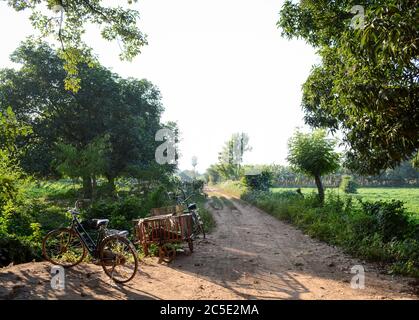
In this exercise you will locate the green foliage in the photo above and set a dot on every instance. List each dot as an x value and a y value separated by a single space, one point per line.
109 119
235 188
409 196
261 181
121 212
391 221
378 231
348 185
89 161
213 175
206 216
313 154
366 85
17 250
117 23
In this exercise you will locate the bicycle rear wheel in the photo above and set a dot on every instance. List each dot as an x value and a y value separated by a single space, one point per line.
198 226
118 258
63 247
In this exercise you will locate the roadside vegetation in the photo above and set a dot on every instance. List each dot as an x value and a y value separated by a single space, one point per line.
97 143
376 224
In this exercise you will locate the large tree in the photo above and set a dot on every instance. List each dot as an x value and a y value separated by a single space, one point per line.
367 83
127 111
313 154
66 21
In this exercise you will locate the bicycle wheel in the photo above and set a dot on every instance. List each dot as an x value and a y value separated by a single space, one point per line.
198 226
118 258
63 247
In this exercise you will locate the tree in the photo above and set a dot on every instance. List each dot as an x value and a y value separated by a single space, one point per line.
231 156
87 163
313 154
66 21
213 175
367 83
348 185
128 111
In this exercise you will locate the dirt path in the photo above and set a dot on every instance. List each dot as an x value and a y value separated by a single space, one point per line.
250 255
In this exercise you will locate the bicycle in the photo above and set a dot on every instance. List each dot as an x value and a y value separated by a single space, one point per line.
69 246
197 223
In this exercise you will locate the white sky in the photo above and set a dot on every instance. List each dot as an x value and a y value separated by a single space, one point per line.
221 65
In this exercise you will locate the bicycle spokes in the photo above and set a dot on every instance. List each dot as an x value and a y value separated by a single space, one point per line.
63 247
119 259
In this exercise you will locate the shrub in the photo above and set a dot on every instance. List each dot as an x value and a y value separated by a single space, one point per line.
18 249
348 185
391 219
261 181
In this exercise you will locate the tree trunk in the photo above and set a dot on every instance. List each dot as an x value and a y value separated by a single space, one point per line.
87 187
319 187
94 185
111 185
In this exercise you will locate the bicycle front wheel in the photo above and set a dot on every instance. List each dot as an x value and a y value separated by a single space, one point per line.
63 247
118 258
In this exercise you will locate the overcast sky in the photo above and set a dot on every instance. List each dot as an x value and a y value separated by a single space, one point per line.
221 66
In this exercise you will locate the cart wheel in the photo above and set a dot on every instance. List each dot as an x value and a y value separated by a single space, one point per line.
190 244
166 253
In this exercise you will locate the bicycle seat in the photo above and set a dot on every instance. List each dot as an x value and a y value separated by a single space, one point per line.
192 206
97 223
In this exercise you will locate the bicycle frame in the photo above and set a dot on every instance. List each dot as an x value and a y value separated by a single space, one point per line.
85 238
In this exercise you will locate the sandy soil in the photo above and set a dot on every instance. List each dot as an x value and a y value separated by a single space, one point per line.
250 255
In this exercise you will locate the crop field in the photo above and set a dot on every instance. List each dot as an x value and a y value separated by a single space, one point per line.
410 196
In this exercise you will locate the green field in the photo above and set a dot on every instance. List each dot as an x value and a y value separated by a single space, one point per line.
410 196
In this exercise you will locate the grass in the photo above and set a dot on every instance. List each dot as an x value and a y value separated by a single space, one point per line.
410 196
232 188
52 190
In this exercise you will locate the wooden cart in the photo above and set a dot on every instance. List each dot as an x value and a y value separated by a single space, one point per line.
164 231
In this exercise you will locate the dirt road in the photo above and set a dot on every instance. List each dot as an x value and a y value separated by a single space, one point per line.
250 255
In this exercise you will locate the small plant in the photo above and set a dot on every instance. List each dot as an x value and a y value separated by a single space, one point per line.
348 185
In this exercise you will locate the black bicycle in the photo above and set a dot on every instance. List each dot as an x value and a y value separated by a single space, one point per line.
68 247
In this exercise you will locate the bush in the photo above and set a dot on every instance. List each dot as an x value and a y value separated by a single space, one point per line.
348 185
262 181
18 249
121 212
390 219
